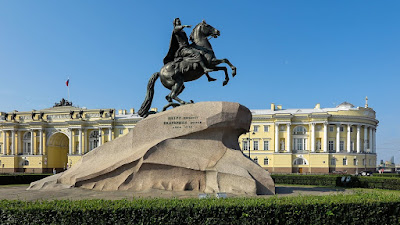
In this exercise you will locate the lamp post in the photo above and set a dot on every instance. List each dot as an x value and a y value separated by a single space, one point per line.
250 132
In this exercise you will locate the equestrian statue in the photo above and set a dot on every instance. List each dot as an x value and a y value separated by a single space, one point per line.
186 62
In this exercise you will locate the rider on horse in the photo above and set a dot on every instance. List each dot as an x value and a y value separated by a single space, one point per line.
180 49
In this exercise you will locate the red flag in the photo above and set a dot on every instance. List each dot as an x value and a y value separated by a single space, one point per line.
67 82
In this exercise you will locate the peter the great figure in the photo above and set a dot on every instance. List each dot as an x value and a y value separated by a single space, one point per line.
186 62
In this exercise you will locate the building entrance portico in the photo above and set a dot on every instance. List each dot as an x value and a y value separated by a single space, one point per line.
58 145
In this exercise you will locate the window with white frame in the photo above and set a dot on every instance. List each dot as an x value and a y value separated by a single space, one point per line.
255 145
121 131
94 139
266 145
341 128
333 161
255 129
355 162
299 161
344 161
245 145
299 130
27 146
300 144
256 160
341 145
331 145
266 128
331 128
266 161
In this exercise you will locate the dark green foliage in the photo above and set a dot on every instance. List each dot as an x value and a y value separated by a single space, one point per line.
390 183
20 178
387 175
360 208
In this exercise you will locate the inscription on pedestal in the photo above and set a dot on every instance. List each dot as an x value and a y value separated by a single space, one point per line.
179 122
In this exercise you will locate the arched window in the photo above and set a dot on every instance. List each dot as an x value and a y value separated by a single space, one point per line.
266 161
300 161
94 139
27 145
299 130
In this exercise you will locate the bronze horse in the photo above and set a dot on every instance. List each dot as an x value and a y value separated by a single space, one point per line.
175 73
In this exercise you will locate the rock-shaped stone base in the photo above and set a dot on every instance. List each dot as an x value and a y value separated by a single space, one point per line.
192 147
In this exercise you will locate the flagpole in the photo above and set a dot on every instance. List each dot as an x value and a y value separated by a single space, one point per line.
68 88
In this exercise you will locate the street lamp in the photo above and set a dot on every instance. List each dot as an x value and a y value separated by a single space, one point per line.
250 132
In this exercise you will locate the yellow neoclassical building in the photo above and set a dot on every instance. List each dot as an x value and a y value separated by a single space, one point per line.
319 140
316 140
38 141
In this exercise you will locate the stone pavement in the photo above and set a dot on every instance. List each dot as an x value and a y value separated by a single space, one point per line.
20 193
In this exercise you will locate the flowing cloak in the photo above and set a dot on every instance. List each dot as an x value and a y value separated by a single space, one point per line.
173 47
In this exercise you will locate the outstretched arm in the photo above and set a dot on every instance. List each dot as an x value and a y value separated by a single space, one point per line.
180 27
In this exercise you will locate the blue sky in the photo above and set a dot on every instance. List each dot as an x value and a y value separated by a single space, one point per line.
294 53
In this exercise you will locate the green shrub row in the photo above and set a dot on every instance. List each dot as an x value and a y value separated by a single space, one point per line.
387 175
390 183
20 178
361 208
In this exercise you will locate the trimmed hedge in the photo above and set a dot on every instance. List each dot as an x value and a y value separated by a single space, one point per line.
390 183
387 175
21 178
361 208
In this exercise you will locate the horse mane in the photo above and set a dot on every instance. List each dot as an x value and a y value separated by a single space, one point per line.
192 35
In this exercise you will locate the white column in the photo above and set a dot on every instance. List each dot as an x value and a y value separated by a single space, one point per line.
288 138
276 137
32 143
4 142
13 142
348 137
370 139
100 137
337 137
109 134
41 142
358 138
325 137
85 148
70 141
80 141
374 140
312 137
365 137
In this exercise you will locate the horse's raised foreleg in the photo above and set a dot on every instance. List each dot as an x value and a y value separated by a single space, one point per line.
217 68
219 61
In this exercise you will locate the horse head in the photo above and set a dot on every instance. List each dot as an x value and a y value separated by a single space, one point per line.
202 31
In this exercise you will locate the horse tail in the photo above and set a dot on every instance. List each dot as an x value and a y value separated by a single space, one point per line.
144 109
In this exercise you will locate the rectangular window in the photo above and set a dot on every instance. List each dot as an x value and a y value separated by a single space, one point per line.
341 145
351 129
300 144
255 145
245 145
266 128
121 131
344 162
333 161
363 162
282 128
256 128
331 145
266 161
341 128
351 145
256 160
266 145
331 128
355 162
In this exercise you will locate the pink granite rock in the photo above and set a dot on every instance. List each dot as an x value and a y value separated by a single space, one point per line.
192 147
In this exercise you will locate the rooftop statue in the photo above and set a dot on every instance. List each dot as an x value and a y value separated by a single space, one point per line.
186 62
